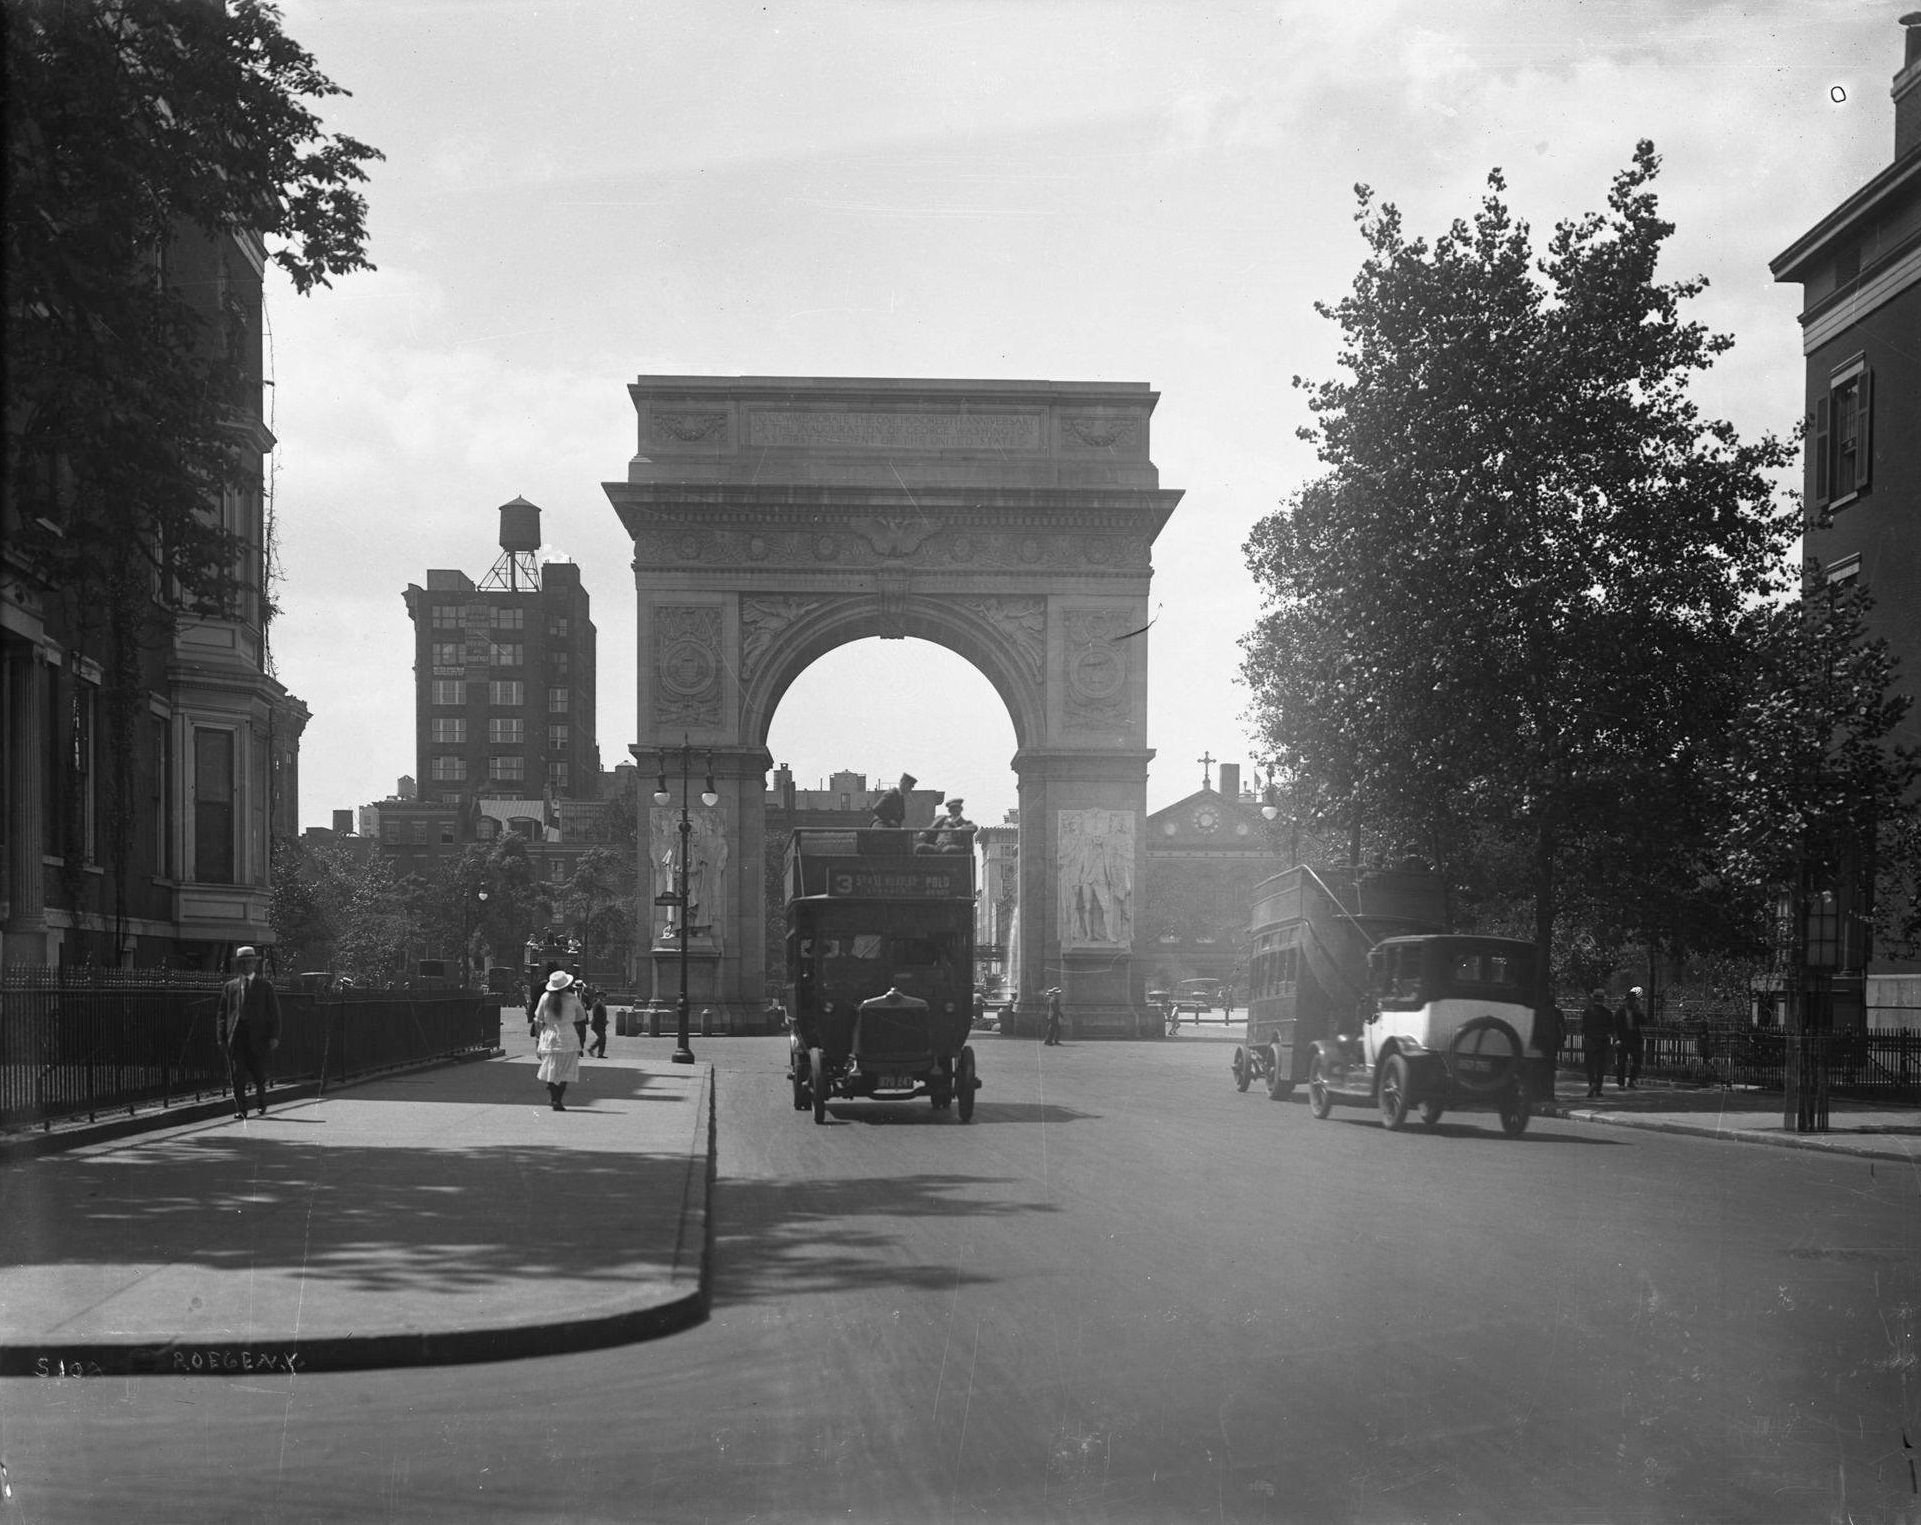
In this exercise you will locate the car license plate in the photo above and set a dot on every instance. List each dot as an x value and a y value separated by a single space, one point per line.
896 1083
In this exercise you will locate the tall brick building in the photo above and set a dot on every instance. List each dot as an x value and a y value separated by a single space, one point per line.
504 679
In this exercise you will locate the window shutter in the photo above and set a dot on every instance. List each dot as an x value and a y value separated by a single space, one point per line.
1863 414
1818 453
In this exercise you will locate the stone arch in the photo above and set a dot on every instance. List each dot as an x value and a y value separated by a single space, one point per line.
1012 523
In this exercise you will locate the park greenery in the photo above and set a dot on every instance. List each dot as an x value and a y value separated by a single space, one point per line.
1536 619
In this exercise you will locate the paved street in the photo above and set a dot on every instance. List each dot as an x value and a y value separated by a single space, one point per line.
1128 1292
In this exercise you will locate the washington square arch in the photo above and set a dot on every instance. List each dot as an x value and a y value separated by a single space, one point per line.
774 519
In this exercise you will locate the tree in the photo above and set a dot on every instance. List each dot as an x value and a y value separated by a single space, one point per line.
342 907
140 133
596 903
1815 793
498 926
1507 620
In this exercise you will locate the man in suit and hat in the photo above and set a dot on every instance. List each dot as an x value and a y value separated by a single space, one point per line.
249 1027
1054 1014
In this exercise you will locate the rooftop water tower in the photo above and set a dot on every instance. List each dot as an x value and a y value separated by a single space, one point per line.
517 570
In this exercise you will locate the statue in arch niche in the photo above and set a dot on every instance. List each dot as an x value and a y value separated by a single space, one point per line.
706 866
1096 861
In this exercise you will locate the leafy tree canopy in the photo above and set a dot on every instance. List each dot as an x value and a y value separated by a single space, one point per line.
131 126
1513 602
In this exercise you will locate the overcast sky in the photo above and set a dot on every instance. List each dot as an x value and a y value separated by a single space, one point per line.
575 194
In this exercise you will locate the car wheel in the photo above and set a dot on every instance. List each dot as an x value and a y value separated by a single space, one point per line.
817 1073
1279 1087
965 1085
1395 1099
1243 1071
1318 1101
1432 1112
1515 1112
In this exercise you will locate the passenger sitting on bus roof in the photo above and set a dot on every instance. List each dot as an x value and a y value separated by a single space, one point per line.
950 833
891 808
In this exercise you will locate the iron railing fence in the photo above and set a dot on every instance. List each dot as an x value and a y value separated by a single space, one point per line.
89 1042
1880 1064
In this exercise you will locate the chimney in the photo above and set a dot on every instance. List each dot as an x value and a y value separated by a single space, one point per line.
1230 781
1907 91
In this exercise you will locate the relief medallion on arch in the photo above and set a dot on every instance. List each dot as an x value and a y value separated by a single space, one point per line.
687 664
1097 666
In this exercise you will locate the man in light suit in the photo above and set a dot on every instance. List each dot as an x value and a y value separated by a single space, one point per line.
249 1027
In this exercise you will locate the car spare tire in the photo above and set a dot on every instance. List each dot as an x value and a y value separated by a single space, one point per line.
1484 1056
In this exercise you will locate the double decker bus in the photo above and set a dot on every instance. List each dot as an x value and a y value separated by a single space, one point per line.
880 969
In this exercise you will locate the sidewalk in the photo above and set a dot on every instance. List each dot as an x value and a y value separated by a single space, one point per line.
1747 1116
440 1216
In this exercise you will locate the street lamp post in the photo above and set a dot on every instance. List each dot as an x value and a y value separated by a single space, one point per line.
709 796
467 920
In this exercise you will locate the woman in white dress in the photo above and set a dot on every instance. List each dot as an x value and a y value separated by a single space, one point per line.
559 1044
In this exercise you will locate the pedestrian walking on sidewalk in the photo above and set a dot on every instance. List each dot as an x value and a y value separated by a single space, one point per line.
1053 1035
559 1043
1628 1040
1597 1027
599 1024
249 1027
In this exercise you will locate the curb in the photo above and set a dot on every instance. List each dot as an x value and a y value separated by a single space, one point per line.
1827 1143
291 1355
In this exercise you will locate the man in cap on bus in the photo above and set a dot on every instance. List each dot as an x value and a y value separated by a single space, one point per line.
891 808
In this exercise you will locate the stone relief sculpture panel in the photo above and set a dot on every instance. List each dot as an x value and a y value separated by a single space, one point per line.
1096 660
1095 859
765 620
707 851
1022 622
687 665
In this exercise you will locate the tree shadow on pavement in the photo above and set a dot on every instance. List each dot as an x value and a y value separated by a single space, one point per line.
508 1082
368 1218
908 1114
777 1239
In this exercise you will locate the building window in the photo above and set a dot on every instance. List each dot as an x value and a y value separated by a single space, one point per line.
509 730
80 758
390 831
449 769
1845 572
449 617
418 831
509 619
213 806
507 770
450 730
446 833
1843 444
449 653
449 691
557 626
486 829
511 694
563 666
557 701
558 776
556 738
505 653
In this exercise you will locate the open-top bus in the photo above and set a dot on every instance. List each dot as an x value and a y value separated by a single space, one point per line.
880 969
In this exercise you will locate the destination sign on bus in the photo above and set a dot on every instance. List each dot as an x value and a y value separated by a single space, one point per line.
932 881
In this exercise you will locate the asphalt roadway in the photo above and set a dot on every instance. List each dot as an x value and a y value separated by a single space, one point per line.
425 1219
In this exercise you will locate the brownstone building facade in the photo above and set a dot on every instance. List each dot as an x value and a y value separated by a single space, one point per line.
1859 268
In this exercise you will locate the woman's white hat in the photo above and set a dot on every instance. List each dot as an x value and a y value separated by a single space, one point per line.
560 979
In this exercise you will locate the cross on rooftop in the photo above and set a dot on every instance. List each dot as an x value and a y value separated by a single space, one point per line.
1207 778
